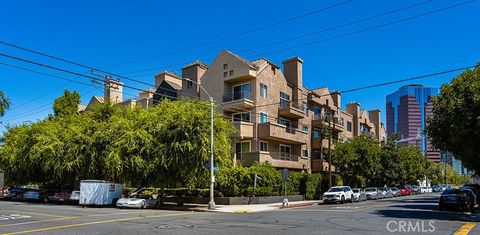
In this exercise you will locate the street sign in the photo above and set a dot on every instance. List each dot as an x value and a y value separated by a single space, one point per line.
285 174
215 168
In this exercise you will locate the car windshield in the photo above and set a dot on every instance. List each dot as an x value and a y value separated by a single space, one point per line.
370 190
454 192
339 189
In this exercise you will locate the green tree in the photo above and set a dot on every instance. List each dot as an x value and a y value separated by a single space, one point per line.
4 103
357 160
67 104
455 125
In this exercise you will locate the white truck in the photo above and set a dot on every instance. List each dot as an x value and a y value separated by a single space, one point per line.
99 193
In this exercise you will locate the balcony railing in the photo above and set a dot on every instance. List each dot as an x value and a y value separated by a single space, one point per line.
237 96
284 156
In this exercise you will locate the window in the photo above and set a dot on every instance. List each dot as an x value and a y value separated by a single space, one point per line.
317 113
225 74
241 148
305 152
231 72
305 108
317 155
264 146
263 90
273 70
342 121
263 117
285 152
316 133
284 100
189 84
326 102
241 91
349 126
241 117
287 124
305 128
225 66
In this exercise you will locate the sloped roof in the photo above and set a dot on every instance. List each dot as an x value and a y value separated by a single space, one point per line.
81 107
252 65
174 85
197 62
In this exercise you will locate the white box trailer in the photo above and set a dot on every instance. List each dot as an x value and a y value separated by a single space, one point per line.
99 192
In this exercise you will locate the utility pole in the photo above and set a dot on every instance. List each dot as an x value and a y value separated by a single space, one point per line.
211 204
330 150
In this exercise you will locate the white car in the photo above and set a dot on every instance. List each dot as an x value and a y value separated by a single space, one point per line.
139 203
425 189
75 196
338 194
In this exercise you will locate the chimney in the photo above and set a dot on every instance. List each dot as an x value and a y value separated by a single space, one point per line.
146 94
113 91
167 76
353 109
194 72
337 98
375 118
293 70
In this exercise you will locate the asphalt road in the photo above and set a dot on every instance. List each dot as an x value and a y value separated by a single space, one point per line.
412 215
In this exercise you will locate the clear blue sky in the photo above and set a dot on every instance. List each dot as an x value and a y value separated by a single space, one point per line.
101 33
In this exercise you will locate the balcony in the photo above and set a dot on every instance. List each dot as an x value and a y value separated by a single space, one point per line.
291 110
279 132
318 144
240 75
278 160
244 130
238 102
318 121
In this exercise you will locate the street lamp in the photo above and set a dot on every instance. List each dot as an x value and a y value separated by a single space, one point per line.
211 203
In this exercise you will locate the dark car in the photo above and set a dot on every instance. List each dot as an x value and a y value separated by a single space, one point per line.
476 189
60 197
461 199
16 194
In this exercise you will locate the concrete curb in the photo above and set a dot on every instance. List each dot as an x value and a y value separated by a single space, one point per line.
305 204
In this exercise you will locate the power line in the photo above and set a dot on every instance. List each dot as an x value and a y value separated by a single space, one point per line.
234 35
366 29
329 29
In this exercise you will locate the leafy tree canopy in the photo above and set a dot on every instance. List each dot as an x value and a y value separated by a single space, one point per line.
4 103
67 104
455 125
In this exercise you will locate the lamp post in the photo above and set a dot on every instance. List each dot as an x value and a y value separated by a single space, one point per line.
211 203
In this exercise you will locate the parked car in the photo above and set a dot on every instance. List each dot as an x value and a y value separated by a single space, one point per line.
372 193
382 193
476 189
60 197
139 202
338 194
456 199
395 192
405 191
416 190
359 195
75 197
388 192
37 195
16 194
3 192
475 197
436 189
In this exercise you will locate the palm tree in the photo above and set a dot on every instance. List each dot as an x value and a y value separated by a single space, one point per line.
4 103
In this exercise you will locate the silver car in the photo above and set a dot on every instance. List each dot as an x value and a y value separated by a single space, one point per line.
359 195
372 193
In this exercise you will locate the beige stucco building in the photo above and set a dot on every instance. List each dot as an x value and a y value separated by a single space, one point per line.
278 120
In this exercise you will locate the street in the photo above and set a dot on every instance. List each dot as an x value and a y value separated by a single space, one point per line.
411 214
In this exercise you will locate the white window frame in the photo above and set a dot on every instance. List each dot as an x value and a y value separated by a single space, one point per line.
308 151
280 150
260 145
265 95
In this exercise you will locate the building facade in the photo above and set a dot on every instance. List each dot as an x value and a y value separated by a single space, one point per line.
407 111
278 120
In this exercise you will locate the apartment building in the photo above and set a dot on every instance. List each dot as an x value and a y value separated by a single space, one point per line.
278 120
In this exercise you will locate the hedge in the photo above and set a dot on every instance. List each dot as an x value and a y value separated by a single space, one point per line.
238 181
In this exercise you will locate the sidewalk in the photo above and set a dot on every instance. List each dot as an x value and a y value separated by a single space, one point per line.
241 208
263 207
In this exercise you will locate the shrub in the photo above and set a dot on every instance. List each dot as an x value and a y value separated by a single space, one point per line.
313 186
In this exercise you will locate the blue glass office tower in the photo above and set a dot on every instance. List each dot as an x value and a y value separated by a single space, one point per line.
407 112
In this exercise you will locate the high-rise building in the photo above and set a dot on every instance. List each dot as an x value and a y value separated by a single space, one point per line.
407 111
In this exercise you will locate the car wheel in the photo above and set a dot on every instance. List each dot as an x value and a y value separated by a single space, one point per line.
351 199
143 205
45 200
342 200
